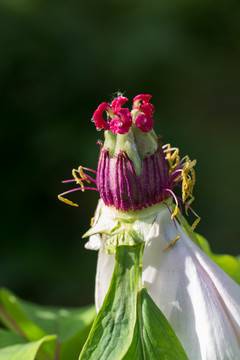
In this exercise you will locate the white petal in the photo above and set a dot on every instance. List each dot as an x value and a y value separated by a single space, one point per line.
105 268
199 300
104 220
94 243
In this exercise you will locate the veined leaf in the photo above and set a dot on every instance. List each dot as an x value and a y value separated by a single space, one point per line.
20 350
14 318
34 322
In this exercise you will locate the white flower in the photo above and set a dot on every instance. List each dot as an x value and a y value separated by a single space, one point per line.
200 301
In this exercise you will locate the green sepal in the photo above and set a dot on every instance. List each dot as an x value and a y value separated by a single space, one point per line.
135 143
121 237
120 228
129 325
153 338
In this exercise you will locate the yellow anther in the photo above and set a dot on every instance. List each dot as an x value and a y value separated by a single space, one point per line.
175 212
188 203
92 221
69 202
184 185
172 158
83 176
172 243
168 155
192 171
193 227
186 175
78 180
188 179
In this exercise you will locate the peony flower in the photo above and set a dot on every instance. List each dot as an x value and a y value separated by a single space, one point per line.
137 179
200 301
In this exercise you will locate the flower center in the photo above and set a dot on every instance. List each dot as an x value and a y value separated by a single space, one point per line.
134 170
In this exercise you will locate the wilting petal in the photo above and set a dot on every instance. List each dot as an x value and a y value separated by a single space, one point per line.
105 268
94 243
201 302
104 222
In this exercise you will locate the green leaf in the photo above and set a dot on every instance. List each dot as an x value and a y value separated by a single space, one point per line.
33 322
14 318
129 325
116 319
153 338
8 338
20 351
230 264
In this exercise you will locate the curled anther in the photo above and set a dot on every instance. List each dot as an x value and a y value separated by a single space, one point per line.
172 243
66 201
182 174
78 180
194 225
175 212
81 173
188 203
173 158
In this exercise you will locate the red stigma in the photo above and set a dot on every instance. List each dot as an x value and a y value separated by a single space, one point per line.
119 120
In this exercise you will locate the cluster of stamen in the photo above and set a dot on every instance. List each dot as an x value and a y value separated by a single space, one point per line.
182 174
116 180
79 177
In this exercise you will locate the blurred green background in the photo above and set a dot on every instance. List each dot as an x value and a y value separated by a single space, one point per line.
58 61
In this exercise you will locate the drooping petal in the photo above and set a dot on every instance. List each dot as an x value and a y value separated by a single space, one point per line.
201 302
104 273
104 222
94 243
197 297
95 240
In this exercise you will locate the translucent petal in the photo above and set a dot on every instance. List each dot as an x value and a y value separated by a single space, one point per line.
94 242
105 268
104 220
199 300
